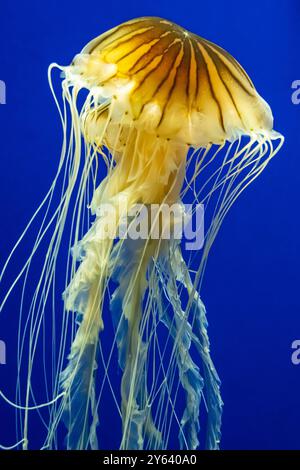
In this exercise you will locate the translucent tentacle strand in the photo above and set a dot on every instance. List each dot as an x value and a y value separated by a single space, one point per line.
211 380
130 260
172 269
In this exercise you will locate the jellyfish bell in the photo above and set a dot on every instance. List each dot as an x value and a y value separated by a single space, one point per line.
167 112
172 83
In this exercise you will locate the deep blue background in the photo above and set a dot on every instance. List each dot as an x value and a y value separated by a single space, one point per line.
252 282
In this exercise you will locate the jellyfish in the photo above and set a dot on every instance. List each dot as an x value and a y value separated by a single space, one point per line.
152 115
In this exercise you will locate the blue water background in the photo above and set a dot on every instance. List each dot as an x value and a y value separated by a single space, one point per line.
252 289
